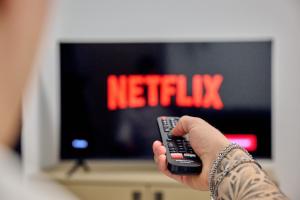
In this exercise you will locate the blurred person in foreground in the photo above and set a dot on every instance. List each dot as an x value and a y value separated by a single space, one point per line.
20 29
228 171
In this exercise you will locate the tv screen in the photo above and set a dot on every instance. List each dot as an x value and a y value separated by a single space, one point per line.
112 93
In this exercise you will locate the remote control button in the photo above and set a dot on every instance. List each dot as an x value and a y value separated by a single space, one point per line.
171 144
189 155
176 155
179 144
178 139
182 149
185 161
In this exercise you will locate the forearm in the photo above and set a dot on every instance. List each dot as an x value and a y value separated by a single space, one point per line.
246 181
20 27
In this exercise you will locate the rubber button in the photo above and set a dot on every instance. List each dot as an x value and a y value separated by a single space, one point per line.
176 155
189 155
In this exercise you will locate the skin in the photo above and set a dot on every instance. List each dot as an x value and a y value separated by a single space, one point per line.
247 181
21 23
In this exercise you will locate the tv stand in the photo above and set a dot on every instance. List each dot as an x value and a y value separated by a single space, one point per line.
126 181
79 163
134 180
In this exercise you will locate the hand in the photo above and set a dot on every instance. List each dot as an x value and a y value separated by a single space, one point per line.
206 141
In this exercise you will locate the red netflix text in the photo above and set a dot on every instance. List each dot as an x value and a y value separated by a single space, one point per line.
136 91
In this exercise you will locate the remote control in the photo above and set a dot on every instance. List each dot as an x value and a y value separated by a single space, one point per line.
181 158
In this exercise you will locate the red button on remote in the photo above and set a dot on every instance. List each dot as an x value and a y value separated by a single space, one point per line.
176 155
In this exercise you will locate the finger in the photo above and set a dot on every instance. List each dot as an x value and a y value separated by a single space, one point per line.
160 150
161 163
157 148
184 125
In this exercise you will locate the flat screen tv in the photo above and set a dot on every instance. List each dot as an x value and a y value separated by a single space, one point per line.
111 94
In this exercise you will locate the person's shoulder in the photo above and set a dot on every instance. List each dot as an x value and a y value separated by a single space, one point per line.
14 186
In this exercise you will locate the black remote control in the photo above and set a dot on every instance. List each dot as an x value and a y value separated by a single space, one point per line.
181 158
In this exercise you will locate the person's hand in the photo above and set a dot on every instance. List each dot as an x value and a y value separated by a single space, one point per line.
206 141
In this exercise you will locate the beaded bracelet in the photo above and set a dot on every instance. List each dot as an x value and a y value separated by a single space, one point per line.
217 163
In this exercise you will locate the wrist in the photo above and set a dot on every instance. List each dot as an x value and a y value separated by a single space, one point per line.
227 160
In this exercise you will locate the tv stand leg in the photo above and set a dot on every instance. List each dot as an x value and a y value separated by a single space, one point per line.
78 164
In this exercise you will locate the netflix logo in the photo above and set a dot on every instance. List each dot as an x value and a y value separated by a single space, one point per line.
137 91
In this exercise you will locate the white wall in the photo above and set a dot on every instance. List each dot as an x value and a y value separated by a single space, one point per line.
171 20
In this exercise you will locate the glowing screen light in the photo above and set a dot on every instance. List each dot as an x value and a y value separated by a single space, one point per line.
80 144
248 141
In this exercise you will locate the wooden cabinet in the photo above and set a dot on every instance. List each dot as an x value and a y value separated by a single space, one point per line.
109 182
96 192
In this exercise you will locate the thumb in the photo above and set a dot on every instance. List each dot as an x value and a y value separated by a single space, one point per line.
184 125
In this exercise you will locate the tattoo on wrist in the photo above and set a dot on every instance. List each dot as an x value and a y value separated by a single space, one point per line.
245 181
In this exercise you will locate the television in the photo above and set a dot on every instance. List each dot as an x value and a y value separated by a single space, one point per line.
112 93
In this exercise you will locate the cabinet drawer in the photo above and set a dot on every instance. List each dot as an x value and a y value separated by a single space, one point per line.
169 193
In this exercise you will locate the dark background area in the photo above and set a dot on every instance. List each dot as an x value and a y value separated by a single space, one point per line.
129 133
